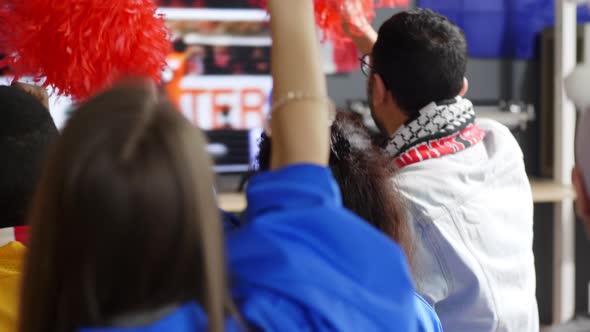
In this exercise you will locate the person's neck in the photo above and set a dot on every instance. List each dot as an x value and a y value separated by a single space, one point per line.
394 122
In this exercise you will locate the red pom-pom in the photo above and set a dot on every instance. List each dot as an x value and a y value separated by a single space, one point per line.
392 3
80 47
328 14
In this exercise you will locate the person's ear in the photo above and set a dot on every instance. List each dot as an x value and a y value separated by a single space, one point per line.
379 92
465 87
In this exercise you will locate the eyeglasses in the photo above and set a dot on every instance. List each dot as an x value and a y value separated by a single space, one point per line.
366 67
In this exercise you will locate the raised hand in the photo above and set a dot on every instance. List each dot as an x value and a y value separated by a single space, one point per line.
357 27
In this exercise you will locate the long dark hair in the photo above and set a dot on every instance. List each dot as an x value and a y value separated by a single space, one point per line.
365 177
124 220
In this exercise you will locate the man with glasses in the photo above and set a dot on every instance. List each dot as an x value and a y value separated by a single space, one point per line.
464 179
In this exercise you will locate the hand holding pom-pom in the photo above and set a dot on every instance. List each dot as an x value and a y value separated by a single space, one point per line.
357 15
340 19
354 22
80 47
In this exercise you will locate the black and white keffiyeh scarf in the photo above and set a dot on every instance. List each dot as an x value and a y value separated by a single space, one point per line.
440 129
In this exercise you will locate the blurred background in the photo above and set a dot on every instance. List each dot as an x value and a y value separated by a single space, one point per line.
218 76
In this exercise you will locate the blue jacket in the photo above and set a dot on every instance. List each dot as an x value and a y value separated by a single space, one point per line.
230 222
301 262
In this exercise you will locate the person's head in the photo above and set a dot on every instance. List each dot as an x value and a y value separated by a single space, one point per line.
124 220
419 57
364 176
26 132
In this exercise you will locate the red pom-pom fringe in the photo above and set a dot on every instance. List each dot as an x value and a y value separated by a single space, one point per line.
80 47
329 18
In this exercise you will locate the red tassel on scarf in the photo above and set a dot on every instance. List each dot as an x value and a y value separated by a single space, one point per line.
83 46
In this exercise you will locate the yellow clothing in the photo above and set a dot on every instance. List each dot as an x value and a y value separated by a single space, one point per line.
11 263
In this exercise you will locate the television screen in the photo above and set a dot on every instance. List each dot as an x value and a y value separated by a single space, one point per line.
218 74
219 71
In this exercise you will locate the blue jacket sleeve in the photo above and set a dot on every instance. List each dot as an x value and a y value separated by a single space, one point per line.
230 222
291 188
302 262
428 321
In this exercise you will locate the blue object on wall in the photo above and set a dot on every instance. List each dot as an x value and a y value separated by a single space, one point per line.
501 28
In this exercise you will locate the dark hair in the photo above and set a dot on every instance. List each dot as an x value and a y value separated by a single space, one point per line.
421 57
124 220
26 132
365 177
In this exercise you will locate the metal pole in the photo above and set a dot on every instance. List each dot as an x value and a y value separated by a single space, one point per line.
565 119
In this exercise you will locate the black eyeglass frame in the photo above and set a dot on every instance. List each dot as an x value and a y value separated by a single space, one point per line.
366 67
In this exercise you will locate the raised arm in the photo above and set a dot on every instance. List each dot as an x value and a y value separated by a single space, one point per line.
300 104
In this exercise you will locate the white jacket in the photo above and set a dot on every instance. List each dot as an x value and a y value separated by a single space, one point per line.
473 217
